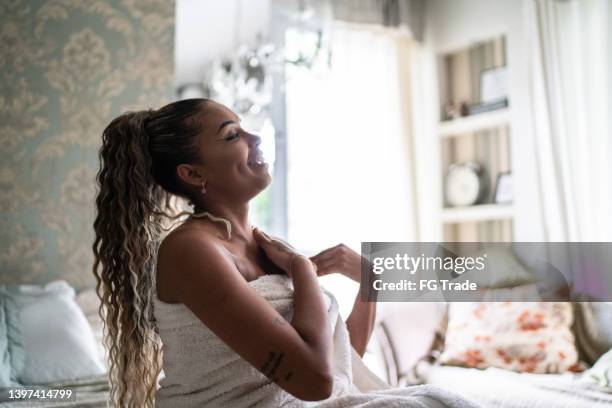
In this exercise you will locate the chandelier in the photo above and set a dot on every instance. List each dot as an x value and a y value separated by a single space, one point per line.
243 80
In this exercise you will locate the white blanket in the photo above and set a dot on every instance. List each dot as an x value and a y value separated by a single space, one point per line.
205 372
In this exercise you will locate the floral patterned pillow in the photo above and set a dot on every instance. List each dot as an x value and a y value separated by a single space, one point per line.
530 337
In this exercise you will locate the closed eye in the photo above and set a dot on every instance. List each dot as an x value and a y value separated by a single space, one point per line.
233 136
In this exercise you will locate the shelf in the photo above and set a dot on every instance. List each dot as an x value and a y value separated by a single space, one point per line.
480 121
482 212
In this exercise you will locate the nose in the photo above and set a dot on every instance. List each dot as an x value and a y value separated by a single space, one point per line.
254 140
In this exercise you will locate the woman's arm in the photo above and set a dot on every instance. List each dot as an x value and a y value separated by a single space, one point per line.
360 323
310 318
296 355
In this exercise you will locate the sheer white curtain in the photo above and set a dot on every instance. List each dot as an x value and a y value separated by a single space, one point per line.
350 176
571 78
349 169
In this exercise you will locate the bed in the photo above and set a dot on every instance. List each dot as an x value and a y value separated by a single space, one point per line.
408 341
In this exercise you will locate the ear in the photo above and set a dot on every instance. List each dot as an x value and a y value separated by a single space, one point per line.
190 174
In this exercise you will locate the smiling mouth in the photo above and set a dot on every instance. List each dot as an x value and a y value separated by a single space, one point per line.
256 159
257 162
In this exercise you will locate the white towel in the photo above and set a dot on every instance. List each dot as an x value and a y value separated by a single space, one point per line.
200 370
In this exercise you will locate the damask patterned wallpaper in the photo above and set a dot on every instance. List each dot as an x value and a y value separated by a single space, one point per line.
67 68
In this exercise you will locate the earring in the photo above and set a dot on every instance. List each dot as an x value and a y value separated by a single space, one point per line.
203 187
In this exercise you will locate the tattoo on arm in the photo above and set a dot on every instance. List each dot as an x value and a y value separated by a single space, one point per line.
270 367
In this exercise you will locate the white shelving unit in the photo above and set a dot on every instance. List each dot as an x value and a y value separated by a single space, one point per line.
482 212
469 124
482 137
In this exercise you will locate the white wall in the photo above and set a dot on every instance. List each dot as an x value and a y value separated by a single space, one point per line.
206 29
454 24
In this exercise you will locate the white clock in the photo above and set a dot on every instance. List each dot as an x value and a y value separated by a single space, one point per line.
465 184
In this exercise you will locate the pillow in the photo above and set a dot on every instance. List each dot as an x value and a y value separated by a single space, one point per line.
530 337
89 302
507 270
57 339
601 372
593 329
12 356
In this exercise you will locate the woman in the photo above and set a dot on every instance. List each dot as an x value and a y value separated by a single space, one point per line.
205 288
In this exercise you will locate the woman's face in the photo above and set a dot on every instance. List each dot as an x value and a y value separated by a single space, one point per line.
231 162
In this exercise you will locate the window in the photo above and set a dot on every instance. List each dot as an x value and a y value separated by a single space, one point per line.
348 173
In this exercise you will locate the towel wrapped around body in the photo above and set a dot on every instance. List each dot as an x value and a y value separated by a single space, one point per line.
200 370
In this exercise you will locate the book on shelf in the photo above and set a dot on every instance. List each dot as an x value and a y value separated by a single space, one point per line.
487 107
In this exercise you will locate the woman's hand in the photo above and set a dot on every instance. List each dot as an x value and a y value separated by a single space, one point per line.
279 252
339 259
360 323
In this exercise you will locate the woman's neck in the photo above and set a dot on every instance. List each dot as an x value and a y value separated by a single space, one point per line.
238 216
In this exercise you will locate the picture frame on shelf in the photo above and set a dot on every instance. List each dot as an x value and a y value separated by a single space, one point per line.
493 85
504 191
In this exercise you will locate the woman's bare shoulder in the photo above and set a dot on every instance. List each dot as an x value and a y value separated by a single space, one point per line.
177 254
178 237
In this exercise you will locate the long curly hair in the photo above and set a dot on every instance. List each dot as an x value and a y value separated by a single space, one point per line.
139 192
